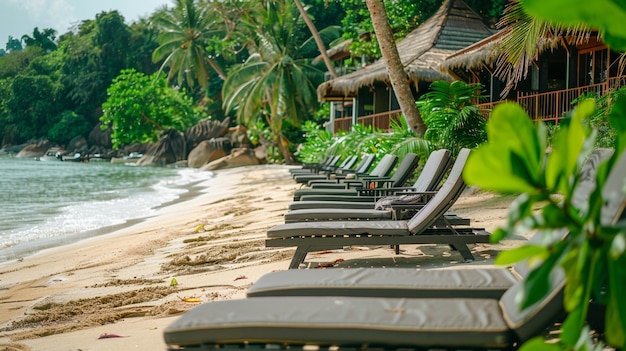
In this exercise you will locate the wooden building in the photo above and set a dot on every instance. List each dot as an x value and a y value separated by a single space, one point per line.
366 97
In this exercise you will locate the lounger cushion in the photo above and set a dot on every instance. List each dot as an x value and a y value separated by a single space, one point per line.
344 321
386 282
345 214
301 205
388 228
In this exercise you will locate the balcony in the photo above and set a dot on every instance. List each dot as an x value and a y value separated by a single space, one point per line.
549 107
379 121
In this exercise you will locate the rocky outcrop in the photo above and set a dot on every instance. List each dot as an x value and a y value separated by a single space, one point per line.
206 129
78 145
237 158
36 149
171 148
207 151
99 137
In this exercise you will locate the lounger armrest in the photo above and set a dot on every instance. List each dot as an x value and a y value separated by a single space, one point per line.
382 191
328 186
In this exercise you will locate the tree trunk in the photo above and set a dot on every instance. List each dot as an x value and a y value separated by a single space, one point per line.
397 75
317 38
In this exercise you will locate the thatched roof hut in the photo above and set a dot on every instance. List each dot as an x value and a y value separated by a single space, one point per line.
453 27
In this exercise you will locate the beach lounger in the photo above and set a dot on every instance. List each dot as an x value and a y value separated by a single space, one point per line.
427 283
396 204
335 322
436 166
346 164
420 229
365 184
328 163
361 168
364 323
356 180
404 170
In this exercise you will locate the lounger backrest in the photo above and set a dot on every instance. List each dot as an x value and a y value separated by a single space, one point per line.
434 169
384 167
534 319
443 199
613 192
405 169
365 164
349 162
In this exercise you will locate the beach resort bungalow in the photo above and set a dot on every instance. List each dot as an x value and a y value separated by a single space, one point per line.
565 68
366 97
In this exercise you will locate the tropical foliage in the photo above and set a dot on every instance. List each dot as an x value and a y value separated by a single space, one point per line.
186 31
453 119
140 108
277 83
449 110
592 254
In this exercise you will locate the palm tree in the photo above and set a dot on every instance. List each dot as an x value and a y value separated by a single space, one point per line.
397 75
43 39
277 82
187 28
318 39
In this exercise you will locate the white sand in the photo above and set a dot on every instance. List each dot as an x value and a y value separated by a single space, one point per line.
223 226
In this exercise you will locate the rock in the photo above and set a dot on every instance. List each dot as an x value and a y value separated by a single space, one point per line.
206 129
78 145
205 152
238 157
99 137
171 148
37 149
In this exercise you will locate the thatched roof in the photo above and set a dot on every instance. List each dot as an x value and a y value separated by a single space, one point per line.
474 56
454 26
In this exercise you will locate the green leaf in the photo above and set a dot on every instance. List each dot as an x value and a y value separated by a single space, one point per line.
616 308
571 328
617 113
520 253
487 168
539 282
498 235
539 343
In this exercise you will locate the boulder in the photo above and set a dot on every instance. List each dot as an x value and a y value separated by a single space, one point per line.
205 152
36 149
78 145
206 129
99 137
170 148
238 157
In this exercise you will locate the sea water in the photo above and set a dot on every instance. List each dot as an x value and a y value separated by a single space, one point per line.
51 203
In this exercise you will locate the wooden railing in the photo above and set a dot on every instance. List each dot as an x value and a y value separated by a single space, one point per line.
549 107
380 121
552 106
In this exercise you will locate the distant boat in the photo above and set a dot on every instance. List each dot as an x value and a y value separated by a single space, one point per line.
133 157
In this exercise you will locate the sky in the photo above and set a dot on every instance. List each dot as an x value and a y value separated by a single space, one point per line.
19 17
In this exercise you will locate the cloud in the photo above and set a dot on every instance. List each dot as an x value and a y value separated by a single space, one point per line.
57 14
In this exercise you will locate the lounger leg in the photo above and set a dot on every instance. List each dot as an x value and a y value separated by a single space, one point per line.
298 257
464 251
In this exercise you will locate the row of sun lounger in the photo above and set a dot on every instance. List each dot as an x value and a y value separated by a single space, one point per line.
383 308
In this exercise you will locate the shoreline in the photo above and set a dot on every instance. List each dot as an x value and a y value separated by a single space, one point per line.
210 241
27 249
